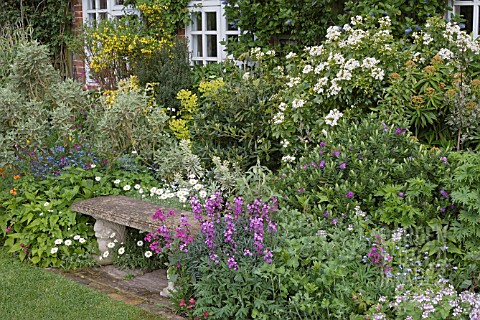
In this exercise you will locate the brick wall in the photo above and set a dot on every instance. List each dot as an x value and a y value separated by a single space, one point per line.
78 63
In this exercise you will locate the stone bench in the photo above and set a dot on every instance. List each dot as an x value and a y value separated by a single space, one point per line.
114 213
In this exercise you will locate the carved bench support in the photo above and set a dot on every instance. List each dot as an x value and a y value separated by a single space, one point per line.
106 232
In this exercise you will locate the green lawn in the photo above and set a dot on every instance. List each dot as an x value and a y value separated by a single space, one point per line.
30 293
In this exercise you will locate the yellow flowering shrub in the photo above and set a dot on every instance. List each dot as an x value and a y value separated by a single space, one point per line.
114 45
188 101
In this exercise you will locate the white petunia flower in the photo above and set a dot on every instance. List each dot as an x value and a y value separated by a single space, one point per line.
68 242
92 166
58 241
139 243
76 237
46 204
202 194
121 250
117 181
198 186
98 178
148 254
111 245
54 250
82 240
193 181
137 187
126 187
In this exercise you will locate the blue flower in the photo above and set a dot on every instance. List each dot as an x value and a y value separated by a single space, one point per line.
408 30
461 25
288 22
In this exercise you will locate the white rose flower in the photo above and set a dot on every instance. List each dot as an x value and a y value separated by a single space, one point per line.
68 242
58 241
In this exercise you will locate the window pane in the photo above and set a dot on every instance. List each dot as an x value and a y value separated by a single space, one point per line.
92 19
231 26
197 21
91 5
211 21
197 45
119 2
211 45
103 4
103 15
467 13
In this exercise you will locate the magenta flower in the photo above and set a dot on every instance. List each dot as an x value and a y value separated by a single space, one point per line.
343 165
350 194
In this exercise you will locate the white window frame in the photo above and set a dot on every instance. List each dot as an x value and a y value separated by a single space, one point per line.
222 32
476 13
112 11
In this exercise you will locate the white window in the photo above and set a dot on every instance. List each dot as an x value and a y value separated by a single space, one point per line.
470 11
96 10
207 29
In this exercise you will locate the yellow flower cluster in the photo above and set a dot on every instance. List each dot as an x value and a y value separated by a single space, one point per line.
125 85
188 100
179 128
209 88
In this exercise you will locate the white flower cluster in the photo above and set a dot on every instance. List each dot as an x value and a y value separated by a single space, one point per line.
460 38
292 81
278 118
446 54
423 37
385 22
371 64
357 20
288 158
285 143
333 33
256 53
297 103
332 118
334 89
291 55
307 69
397 235
314 51
320 85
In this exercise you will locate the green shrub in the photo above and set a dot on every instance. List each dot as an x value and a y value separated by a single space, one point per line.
168 70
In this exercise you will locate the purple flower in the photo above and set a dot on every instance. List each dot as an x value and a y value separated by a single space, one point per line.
343 165
399 131
321 164
335 221
300 190
444 160
443 209
336 153
232 264
350 194
325 214
444 193
267 256
322 144
401 194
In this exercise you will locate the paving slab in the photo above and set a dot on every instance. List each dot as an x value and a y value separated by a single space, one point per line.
134 287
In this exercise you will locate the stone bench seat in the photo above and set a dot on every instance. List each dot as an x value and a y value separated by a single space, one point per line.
114 213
